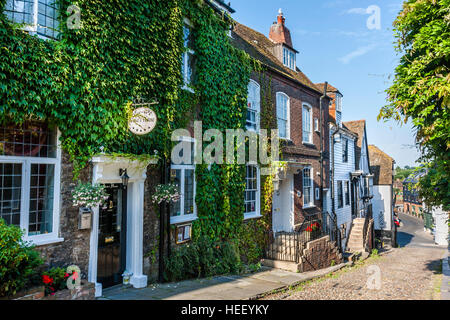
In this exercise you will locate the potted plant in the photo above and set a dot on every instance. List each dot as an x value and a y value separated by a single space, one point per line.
89 195
166 193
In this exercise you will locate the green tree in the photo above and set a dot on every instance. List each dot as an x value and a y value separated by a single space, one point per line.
421 87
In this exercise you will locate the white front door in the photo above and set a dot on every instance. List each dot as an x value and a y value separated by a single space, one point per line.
283 206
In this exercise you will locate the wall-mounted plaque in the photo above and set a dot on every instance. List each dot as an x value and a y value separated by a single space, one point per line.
143 121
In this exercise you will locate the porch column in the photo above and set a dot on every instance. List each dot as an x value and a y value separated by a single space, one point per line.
93 254
136 191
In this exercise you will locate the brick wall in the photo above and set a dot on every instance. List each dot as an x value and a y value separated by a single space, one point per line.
75 247
151 226
319 254
296 149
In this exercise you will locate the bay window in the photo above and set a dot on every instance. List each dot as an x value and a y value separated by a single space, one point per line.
252 192
38 16
307 123
283 115
308 186
29 180
184 176
254 106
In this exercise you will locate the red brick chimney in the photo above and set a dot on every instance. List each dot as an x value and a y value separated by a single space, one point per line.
278 31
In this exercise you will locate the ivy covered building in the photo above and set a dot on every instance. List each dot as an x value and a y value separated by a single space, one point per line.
70 79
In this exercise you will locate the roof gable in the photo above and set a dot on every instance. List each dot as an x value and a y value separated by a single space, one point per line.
381 166
359 127
261 48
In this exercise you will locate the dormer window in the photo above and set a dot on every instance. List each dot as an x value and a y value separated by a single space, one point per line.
289 58
38 16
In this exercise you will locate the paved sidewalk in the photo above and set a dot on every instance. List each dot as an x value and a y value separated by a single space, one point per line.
218 288
445 287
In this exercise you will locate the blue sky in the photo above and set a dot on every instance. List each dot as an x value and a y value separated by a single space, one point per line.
336 45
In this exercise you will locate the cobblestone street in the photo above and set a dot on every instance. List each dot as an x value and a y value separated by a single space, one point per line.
407 273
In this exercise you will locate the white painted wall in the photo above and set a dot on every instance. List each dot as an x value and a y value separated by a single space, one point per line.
441 233
382 207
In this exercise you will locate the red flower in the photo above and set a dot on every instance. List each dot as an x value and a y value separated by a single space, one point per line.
66 275
46 279
313 227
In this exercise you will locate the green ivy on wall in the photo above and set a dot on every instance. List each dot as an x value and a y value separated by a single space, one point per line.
84 84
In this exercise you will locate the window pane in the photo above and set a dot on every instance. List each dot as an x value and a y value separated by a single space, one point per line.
282 128
20 11
41 199
47 18
188 191
251 189
306 196
31 139
251 120
175 207
191 67
10 192
187 35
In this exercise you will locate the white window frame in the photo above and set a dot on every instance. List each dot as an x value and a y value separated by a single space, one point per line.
257 212
288 114
187 51
289 58
33 28
311 193
183 167
256 103
26 162
309 107
316 125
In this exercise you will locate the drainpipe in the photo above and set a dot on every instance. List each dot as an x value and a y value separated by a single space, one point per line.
321 142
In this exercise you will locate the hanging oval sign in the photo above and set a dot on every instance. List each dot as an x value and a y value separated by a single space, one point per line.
143 121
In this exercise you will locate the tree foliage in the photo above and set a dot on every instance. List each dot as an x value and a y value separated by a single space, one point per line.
421 89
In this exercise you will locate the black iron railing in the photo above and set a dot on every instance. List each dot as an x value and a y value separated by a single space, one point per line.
289 246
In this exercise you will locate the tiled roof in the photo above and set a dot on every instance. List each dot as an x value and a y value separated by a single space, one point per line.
358 128
260 47
330 88
381 166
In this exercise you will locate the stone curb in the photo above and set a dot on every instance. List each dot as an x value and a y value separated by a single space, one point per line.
285 287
